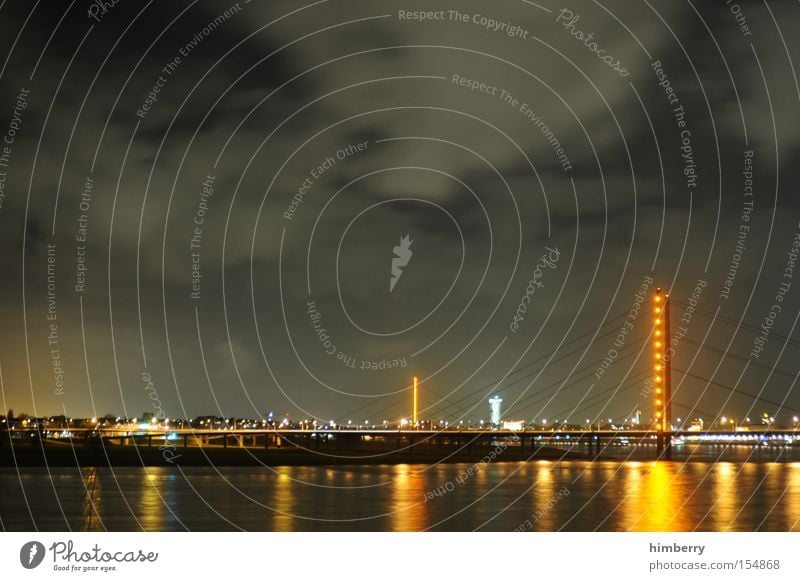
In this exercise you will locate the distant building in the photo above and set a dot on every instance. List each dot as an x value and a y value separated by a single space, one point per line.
514 425
496 410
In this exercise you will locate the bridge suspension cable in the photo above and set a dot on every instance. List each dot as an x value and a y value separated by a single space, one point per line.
494 385
737 391
741 324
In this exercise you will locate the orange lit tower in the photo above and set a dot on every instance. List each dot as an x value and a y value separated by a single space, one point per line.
414 413
662 376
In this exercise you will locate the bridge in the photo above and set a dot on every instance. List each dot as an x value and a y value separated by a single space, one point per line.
519 445
654 382
652 371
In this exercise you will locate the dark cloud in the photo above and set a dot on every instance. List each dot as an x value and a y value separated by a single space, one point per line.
261 107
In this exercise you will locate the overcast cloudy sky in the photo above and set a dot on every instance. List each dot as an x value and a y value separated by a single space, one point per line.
295 144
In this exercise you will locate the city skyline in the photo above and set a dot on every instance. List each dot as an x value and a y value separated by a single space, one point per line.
341 265
227 242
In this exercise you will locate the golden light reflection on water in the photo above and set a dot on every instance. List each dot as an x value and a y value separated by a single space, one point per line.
150 509
408 509
725 498
652 505
632 486
92 504
542 513
284 502
776 485
793 497
637 496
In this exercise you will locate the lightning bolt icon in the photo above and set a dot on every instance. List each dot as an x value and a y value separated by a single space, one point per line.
402 254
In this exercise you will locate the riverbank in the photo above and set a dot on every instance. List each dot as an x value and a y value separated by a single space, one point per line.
81 454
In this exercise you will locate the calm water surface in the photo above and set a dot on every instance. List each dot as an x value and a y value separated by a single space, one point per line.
604 495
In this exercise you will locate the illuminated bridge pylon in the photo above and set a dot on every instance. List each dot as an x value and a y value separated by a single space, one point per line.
414 404
662 352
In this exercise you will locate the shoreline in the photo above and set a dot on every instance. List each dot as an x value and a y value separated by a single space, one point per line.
80 455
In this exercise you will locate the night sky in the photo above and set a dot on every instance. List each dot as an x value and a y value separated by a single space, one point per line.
203 200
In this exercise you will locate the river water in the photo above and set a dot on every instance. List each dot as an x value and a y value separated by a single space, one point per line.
539 495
